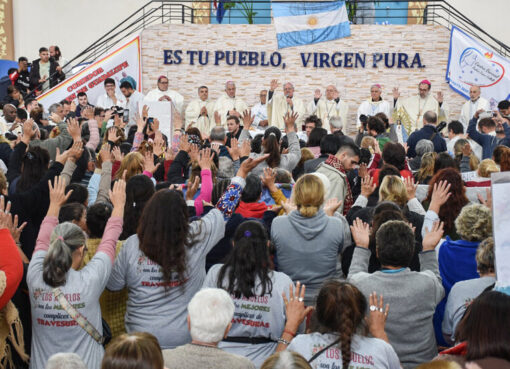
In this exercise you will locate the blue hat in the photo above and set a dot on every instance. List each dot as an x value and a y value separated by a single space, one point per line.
129 80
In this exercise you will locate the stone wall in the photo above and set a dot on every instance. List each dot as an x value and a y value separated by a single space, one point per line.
430 41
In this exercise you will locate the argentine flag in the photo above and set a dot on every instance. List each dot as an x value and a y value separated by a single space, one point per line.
309 22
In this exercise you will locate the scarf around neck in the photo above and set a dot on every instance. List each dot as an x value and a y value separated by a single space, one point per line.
335 163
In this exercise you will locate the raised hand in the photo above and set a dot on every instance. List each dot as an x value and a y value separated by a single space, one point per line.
117 154
184 144
466 150
233 150
433 236
487 203
410 187
148 163
118 198
192 188
318 94
76 151
105 153
295 310
331 206
439 97
112 135
8 221
377 316
217 118
268 179
158 148
396 93
249 164
273 85
440 194
362 170
245 149
193 153
140 122
360 233
367 186
28 131
58 196
290 120
61 158
247 119
74 129
145 112
205 159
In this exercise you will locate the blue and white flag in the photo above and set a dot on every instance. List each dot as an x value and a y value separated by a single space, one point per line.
309 22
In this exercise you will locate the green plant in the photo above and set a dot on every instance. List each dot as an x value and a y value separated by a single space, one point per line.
246 8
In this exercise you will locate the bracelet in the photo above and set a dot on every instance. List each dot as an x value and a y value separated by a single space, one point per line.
285 342
289 332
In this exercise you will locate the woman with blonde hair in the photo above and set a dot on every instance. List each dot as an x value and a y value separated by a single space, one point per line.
426 171
393 189
464 156
286 360
483 177
309 239
135 163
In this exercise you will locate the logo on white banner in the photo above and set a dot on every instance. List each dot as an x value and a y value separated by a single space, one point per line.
471 63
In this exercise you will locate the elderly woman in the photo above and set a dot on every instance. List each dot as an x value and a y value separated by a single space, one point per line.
422 147
60 294
309 240
468 290
210 314
457 259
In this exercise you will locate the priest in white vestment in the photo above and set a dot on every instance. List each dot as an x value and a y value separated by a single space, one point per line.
279 105
410 110
329 107
200 112
374 105
163 93
259 112
475 103
229 104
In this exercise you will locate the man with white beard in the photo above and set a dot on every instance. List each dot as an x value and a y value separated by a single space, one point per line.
330 106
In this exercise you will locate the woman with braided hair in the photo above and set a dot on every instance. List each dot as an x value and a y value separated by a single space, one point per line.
341 338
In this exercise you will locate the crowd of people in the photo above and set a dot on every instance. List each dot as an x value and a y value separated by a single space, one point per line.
248 238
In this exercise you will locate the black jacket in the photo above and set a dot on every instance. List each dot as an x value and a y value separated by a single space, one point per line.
428 132
55 77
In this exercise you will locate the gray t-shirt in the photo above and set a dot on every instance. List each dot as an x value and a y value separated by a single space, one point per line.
53 330
461 295
151 308
258 316
366 352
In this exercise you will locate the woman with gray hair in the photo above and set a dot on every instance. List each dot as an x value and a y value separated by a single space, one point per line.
65 360
64 300
210 313
422 147
462 293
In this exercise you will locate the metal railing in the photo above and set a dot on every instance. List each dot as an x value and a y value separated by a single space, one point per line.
182 12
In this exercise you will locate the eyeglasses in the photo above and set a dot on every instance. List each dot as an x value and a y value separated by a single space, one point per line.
164 83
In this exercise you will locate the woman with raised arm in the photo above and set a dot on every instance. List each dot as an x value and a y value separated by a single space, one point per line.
163 264
341 338
63 298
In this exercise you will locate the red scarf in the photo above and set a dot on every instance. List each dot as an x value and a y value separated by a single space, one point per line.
252 209
335 163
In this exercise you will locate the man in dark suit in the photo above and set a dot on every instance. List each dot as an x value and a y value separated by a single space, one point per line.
428 132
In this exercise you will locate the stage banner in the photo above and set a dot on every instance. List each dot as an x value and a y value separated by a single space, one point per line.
470 63
122 62
501 228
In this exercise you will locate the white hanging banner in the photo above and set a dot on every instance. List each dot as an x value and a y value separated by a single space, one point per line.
120 63
470 63
501 228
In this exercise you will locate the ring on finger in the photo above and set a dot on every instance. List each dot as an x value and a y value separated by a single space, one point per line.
381 310
373 308
300 299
